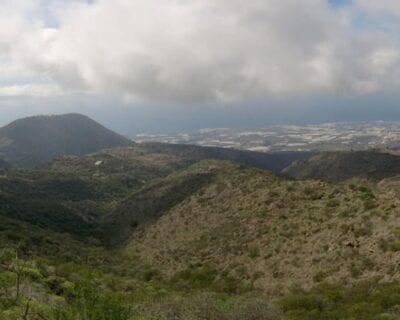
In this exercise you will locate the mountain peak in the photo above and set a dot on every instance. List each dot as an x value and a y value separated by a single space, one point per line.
37 139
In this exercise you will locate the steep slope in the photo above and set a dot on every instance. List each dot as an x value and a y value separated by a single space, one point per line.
214 223
72 201
252 228
74 193
211 226
339 166
152 202
35 140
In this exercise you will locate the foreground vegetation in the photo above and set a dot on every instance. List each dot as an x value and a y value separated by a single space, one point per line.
126 234
44 288
47 275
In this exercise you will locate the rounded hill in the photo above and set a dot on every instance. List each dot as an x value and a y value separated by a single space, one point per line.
35 140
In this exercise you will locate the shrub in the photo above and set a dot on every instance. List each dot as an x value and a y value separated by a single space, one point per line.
366 300
254 310
355 271
92 303
333 203
254 252
320 276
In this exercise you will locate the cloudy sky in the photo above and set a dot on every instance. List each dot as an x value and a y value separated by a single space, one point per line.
165 65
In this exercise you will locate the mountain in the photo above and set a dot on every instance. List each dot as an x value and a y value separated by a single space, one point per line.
75 193
339 166
32 141
257 229
214 223
128 185
158 232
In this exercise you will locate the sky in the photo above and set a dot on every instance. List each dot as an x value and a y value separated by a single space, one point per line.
172 65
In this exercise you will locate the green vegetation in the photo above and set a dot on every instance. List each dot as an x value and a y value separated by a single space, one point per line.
33 287
155 232
367 300
344 165
35 140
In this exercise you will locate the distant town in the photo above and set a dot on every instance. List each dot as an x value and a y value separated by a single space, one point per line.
316 137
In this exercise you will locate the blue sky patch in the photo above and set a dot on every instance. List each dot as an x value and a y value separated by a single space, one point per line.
339 3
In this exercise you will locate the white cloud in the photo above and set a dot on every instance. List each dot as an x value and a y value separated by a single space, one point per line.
197 51
33 90
391 7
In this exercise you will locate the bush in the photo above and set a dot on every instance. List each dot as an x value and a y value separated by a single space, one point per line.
90 303
333 203
207 306
366 300
254 310
320 276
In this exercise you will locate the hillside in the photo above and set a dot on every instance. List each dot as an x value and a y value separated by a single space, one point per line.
252 228
170 212
35 140
155 232
339 166
153 201
74 193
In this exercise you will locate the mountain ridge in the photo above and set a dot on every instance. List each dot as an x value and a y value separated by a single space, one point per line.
372 165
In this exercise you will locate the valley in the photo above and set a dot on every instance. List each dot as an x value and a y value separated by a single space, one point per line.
165 231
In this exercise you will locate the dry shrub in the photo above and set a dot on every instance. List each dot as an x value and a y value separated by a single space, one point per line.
207 307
